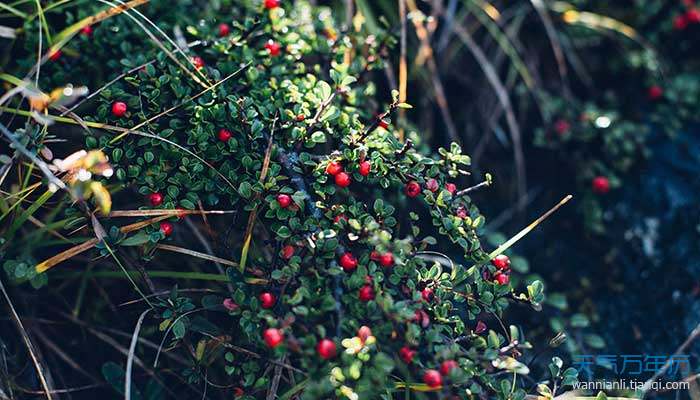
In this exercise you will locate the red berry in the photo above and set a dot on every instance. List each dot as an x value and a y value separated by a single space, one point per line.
386 260
432 378
365 167
447 366
198 62
273 337
655 92
451 187
375 256
273 48
300 117
326 349
383 124
86 31
342 180
119 109
287 251
432 185
561 127
412 189
680 22
238 392
501 261
155 199
501 278
230 305
406 354
427 294
55 55
270 4
340 217
348 262
693 16
462 212
284 200
224 135
334 168
363 333
421 318
600 185
480 327
366 293
267 300
166 228
224 30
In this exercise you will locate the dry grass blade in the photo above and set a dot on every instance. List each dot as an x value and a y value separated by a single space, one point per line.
403 65
553 38
427 53
161 212
27 342
504 99
130 357
197 254
254 212
505 246
75 250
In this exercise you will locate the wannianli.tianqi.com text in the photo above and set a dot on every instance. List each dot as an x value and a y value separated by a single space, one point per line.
630 384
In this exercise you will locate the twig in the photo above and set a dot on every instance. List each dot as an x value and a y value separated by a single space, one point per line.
130 357
688 341
28 343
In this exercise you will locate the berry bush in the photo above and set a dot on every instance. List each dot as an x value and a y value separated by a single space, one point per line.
320 249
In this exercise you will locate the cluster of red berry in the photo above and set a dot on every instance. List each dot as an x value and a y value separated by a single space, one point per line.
690 16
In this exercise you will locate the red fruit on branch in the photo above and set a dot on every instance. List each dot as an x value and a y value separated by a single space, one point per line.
284 200
447 366
166 228
561 127
680 22
273 48
119 109
363 333
342 179
267 300
155 199
273 337
334 168
326 349
224 30
339 217
365 167
86 31
501 278
366 293
198 62
406 354
300 117
386 260
501 261
655 92
427 294
348 262
412 189
383 124
224 135
270 4
229 304
287 252
693 16
432 185
600 185
480 327
451 187
432 378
